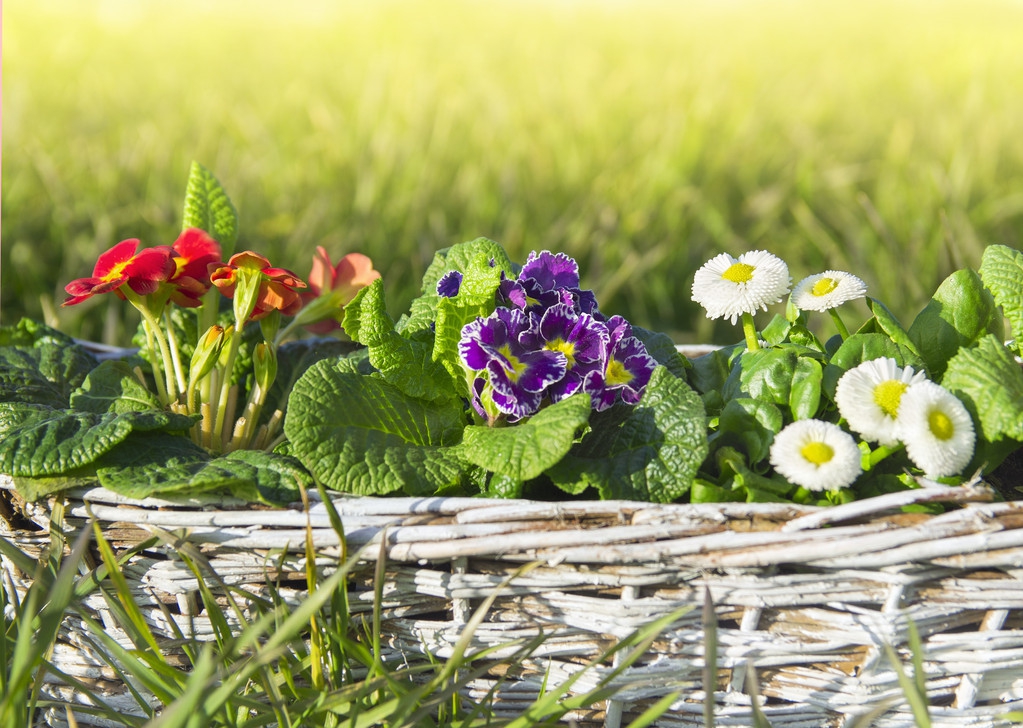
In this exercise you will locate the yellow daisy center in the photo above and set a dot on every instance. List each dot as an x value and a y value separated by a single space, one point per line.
739 273
817 453
515 367
887 396
824 286
565 347
616 373
940 424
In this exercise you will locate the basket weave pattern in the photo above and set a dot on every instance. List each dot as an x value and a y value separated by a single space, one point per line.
809 597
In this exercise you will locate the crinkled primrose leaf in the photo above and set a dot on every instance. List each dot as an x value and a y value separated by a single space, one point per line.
45 372
649 452
53 442
1001 269
363 435
405 362
523 451
113 387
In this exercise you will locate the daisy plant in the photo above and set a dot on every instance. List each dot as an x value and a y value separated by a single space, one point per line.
795 417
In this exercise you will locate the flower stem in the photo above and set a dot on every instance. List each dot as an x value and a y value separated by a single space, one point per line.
749 329
879 454
172 340
839 324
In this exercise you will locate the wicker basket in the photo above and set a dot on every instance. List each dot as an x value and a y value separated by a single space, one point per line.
809 597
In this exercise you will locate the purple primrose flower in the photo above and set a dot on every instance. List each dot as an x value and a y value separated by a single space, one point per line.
449 284
626 369
546 280
580 337
518 375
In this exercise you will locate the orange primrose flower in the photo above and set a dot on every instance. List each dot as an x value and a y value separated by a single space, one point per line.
142 271
278 287
340 282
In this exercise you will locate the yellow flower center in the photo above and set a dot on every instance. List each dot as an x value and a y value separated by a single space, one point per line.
739 273
817 453
824 286
887 396
515 367
116 271
565 347
616 373
940 424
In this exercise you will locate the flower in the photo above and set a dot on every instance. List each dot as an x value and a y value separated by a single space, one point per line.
816 455
518 375
728 287
273 288
335 285
936 428
546 280
625 371
869 398
580 337
449 284
827 290
194 252
142 271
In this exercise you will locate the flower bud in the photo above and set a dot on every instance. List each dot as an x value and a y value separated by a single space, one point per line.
264 362
207 353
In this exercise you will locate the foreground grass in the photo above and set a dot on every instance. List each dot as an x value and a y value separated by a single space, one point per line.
641 138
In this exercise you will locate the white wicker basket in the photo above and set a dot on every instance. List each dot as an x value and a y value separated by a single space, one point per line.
809 597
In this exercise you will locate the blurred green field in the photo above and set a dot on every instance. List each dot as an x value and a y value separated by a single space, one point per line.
884 138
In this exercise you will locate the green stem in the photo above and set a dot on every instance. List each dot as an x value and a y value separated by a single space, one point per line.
172 340
878 454
151 323
225 386
749 329
839 324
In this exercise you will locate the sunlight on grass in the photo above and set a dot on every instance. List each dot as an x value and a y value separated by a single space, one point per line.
640 138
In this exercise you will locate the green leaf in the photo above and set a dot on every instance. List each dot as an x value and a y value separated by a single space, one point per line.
662 348
56 442
648 452
29 333
767 374
462 257
293 359
890 325
270 478
805 393
989 382
363 435
407 363
45 373
958 315
208 208
524 450
755 487
709 374
32 489
1001 269
751 422
113 387
503 486
150 463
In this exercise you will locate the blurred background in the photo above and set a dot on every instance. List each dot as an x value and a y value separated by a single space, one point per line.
642 138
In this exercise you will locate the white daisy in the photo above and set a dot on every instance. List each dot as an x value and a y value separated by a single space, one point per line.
728 287
816 455
937 429
827 290
869 395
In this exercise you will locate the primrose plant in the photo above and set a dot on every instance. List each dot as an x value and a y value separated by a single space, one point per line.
192 274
